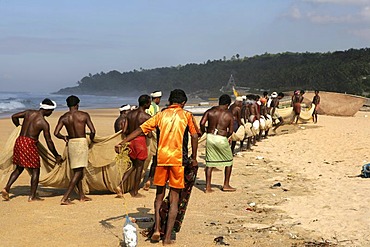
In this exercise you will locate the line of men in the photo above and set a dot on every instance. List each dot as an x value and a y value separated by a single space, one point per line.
25 152
172 127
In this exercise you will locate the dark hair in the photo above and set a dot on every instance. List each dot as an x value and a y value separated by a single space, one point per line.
177 96
302 92
265 93
281 95
72 101
47 101
144 99
224 99
317 91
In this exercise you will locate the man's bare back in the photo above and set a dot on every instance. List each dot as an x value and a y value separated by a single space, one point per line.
33 123
135 118
75 122
220 121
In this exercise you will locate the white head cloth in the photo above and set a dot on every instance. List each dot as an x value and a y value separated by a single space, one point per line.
239 98
156 94
48 107
274 95
125 108
244 97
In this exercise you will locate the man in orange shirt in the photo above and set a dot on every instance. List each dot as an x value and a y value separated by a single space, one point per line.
173 126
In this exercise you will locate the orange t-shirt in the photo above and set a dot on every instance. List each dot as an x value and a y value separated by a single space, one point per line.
173 126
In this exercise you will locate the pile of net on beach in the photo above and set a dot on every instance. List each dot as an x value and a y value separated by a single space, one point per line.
104 172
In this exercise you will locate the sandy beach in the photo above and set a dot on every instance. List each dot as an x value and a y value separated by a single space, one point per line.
318 200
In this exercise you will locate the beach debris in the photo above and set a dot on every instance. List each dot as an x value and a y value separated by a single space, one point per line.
276 185
220 241
129 233
142 219
259 158
252 204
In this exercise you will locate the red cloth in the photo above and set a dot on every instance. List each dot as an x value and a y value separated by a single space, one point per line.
139 150
25 152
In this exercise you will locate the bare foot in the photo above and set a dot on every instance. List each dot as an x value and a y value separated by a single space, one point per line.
156 237
147 185
119 192
34 199
169 242
208 191
228 189
5 195
66 202
85 199
136 194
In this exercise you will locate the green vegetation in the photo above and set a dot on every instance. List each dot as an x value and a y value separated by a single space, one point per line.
340 71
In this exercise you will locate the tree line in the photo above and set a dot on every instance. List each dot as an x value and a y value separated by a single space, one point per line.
340 71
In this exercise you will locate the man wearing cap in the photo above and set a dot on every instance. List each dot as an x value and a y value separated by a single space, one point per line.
25 153
118 124
75 122
154 106
153 109
275 98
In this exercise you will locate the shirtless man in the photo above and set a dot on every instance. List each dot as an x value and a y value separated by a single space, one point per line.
254 115
218 153
275 98
297 99
118 124
75 122
25 153
139 150
316 101
235 110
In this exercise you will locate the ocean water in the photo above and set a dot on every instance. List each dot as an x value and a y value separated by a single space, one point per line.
12 102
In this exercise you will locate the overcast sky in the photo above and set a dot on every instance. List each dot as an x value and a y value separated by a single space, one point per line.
48 45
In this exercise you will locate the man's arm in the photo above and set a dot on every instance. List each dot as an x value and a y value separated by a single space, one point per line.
238 116
128 138
49 141
203 122
17 116
90 125
194 149
57 130
231 127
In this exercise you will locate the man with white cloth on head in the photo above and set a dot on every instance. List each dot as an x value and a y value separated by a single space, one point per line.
25 153
119 123
75 122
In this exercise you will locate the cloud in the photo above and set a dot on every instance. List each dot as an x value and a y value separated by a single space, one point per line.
363 33
331 11
329 19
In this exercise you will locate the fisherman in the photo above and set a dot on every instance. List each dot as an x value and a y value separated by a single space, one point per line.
316 102
152 155
75 122
118 124
218 152
138 148
174 124
25 152
274 112
235 110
